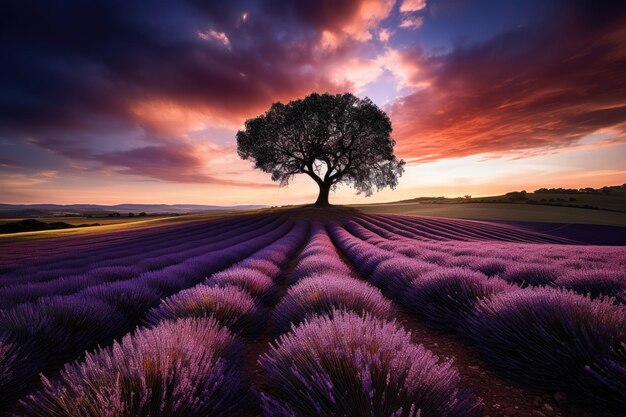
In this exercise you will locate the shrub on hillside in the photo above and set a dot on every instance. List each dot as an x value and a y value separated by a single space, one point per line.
350 365
190 367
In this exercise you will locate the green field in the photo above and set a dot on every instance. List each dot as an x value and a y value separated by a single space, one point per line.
113 224
76 220
501 211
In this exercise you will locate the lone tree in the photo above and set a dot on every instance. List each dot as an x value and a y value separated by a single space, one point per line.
333 139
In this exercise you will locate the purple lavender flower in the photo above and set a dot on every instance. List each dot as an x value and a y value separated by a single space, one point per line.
352 365
321 294
596 282
446 297
230 306
552 339
393 276
189 367
530 275
251 280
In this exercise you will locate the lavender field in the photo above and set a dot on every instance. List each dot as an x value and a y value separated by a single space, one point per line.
286 314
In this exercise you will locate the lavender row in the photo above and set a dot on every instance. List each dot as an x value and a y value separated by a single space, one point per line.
458 230
202 377
348 364
237 296
115 253
340 355
55 330
579 256
543 337
597 271
67 284
72 284
71 324
189 367
323 283
30 253
142 253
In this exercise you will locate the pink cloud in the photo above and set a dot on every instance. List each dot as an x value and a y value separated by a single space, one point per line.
412 5
215 36
174 163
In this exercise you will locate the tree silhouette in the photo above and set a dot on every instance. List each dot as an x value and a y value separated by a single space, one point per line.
333 139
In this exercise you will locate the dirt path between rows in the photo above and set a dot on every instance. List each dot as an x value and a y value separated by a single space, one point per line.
261 344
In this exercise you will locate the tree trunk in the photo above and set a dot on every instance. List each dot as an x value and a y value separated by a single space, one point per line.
322 198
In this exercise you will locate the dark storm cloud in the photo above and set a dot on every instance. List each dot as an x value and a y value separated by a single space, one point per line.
76 68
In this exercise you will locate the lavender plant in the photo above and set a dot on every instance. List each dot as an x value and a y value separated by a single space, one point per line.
251 280
394 276
184 368
596 282
351 365
530 275
230 306
447 296
554 339
323 294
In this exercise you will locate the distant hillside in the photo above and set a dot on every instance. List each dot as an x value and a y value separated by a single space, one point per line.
40 210
611 198
606 205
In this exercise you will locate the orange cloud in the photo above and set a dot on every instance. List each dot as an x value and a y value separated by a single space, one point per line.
518 92
368 15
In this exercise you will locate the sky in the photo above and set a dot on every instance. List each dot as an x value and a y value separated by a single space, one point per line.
139 101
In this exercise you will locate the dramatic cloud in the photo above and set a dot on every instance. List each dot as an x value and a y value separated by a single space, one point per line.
531 88
352 18
156 91
170 163
130 74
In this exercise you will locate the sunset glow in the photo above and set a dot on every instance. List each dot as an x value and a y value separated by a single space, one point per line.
122 102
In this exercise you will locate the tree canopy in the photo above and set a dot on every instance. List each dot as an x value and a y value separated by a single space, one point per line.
333 139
